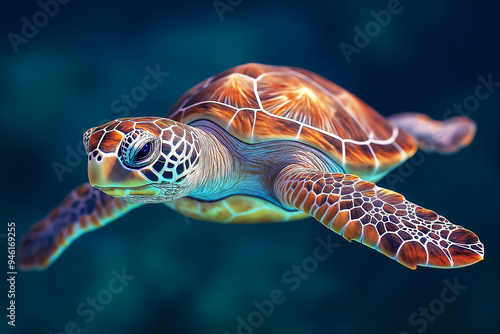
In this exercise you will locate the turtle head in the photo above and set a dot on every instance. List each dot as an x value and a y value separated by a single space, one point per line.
143 160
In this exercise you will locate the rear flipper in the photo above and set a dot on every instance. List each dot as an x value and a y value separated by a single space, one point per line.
444 137
83 210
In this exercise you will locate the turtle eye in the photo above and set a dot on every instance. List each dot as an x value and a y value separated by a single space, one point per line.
144 152
139 149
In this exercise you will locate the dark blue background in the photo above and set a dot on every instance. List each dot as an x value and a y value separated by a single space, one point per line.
198 277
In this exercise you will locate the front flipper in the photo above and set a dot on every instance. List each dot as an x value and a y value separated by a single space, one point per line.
83 210
379 218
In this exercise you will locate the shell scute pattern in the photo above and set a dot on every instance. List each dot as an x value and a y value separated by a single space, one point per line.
258 103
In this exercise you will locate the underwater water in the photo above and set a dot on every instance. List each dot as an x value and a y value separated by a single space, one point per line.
155 271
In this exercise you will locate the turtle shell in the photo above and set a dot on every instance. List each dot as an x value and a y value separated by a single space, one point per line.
257 103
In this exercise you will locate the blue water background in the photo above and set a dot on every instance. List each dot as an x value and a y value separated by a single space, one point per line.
198 277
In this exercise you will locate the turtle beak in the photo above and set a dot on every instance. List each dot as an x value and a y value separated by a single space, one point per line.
99 171
108 172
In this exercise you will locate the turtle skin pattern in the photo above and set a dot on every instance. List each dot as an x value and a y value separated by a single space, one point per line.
180 149
379 218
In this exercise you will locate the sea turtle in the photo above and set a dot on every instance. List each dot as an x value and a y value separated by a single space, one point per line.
261 143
